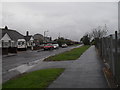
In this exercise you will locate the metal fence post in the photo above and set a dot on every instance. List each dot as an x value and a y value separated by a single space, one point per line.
116 56
103 49
112 57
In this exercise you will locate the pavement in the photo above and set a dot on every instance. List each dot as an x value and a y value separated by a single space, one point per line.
85 72
9 55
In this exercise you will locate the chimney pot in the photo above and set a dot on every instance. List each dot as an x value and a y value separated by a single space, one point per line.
6 27
27 33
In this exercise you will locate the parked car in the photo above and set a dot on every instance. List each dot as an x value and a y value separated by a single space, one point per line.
56 46
21 44
48 47
64 45
41 46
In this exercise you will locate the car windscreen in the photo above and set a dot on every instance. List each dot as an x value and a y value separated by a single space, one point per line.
48 45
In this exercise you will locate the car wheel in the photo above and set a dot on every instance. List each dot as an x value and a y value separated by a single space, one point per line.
50 48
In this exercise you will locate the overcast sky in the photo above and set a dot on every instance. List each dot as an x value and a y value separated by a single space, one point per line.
71 19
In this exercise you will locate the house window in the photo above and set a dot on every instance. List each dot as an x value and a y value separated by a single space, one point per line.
21 43
5 44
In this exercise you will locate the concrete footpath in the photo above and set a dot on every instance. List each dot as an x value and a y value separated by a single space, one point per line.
86 72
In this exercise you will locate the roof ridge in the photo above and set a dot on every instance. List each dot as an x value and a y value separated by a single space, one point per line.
15 31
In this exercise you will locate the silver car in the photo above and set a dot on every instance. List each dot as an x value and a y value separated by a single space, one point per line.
56 46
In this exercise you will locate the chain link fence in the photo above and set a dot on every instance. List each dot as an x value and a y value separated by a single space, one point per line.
109 49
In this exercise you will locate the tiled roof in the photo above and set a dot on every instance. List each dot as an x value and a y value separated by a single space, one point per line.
27 38
38 36
14 35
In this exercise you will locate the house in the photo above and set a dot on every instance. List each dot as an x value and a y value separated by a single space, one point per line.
9 40
38 39
47 39
29 41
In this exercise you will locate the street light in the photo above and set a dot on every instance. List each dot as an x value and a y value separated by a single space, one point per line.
59 36
44 35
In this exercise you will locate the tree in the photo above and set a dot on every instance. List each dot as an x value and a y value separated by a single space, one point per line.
81 40
86 40
62 40
99 32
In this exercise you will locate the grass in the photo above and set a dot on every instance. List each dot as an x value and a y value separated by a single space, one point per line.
36 79
75 45
68 55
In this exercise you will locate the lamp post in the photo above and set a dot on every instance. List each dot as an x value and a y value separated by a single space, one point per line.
59 36
44 35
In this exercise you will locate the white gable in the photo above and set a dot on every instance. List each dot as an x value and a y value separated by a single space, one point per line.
31 39
6 38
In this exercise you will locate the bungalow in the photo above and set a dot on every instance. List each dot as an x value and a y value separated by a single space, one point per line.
47 39
11 41
38 39
29 41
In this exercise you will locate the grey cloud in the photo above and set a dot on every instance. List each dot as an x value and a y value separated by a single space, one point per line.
71 19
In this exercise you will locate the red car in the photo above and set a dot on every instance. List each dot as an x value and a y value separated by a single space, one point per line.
48 47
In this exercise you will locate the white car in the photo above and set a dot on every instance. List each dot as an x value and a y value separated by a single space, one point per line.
21 44
55 46
64 45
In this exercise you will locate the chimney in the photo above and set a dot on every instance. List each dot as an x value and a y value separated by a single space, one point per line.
6 27
27 33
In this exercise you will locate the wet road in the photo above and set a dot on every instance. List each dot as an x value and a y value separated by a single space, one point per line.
25 57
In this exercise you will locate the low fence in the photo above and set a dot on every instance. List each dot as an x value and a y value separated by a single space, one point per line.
109 49
6 50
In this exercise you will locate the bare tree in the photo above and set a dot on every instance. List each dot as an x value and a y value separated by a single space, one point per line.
99 32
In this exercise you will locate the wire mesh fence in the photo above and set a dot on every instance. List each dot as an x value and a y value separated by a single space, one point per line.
109 49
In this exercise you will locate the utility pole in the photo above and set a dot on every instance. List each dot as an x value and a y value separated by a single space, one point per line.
44 35
59 36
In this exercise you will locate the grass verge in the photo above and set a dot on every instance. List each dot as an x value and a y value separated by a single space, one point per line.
68 55
36 79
